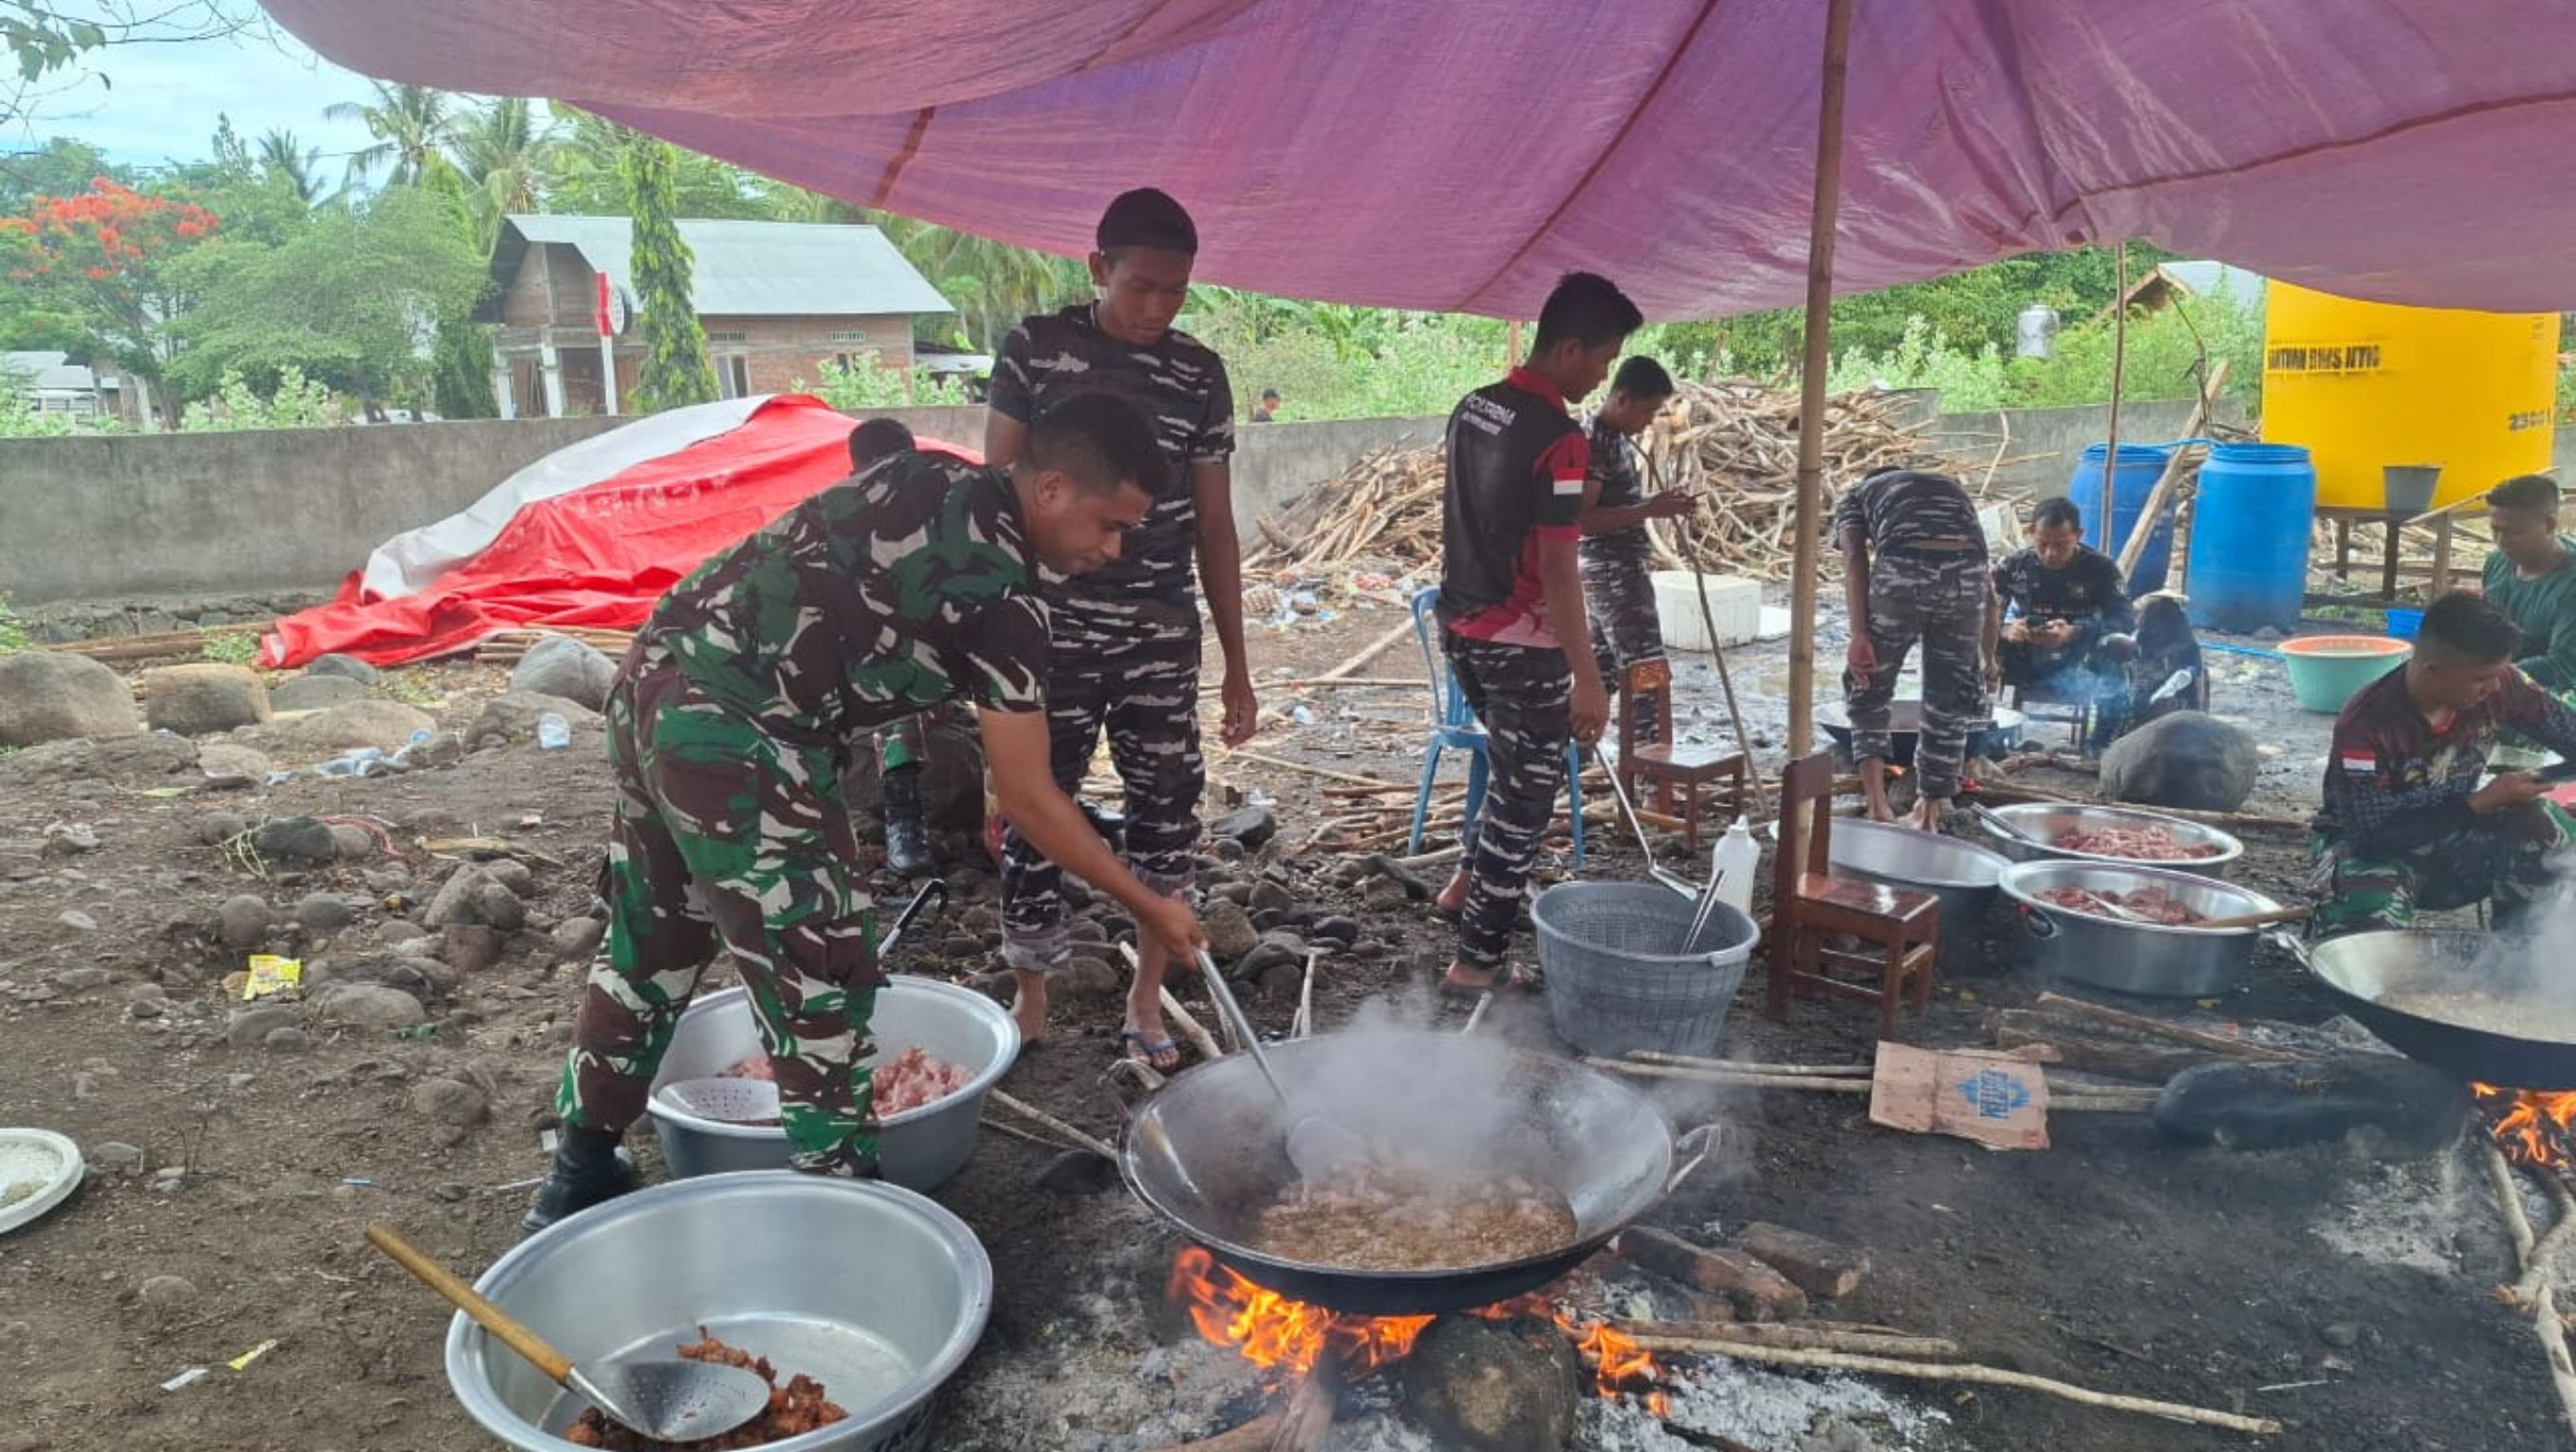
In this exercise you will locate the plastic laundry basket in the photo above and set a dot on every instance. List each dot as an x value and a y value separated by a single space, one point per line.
1615 981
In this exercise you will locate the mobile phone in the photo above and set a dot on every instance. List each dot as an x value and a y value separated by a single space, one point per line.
2557 771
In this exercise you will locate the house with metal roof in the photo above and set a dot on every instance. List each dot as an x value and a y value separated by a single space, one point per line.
51 383
778 300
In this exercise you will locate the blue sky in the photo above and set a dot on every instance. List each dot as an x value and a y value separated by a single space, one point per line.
162 100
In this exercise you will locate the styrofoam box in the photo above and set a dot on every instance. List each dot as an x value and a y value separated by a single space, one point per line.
1736 605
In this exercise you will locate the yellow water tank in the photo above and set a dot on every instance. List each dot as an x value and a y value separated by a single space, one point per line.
2363 385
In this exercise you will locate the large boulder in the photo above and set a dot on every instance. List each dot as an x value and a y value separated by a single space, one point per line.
386 725
143 759
310 692
512 716
204 698
473 897
2188 760
346 667
52 696
558 665
367 1006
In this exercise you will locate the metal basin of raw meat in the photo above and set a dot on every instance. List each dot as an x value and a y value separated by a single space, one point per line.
2128 957
917 1149
2045 822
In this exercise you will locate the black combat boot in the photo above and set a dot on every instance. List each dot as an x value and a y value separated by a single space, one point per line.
907 841
587 1171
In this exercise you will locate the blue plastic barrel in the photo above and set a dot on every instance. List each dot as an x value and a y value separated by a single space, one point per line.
2131 482
2249 537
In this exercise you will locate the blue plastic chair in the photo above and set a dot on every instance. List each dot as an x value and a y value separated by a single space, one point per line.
1454 728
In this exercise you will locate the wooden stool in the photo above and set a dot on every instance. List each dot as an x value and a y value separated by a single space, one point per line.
1647 753
1810 905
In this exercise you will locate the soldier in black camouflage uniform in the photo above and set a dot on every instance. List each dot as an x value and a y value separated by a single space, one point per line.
1126 657
1618 558
1914 570
1511 603
738 710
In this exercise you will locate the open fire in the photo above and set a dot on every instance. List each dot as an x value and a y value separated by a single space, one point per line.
2531 1125
1292 1338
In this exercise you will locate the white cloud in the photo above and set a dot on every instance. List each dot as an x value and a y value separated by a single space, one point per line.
161 101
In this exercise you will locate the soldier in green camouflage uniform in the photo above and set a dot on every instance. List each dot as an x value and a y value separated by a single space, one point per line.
737 711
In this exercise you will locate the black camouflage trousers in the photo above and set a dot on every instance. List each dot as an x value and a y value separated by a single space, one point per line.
1938 601
725 835
1137 679
1619 596
1521 694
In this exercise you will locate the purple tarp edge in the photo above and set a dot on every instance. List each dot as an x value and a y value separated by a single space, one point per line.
1460 154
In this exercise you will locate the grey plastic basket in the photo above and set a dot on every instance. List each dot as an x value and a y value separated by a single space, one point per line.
1615 979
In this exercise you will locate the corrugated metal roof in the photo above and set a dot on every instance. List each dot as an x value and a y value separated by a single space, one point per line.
2208 279
751 269
47 371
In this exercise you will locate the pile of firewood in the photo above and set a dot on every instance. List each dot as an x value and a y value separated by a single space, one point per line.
1734 444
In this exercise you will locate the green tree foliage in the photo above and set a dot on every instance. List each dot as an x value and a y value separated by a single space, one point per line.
347 300
583 175
503 150
674 369
412 126
293 168
869 387
63 166
295 402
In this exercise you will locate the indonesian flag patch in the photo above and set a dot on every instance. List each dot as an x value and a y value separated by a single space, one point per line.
1569 483
2361 762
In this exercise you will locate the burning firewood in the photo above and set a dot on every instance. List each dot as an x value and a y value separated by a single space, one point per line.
1812 1263
1759 1292
2544 1300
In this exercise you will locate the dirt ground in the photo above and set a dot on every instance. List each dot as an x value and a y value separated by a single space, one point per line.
2347 1296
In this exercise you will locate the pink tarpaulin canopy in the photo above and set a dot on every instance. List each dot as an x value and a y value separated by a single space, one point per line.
1459 154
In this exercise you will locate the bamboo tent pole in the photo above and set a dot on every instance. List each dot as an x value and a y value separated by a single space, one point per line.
1810 513
2119 367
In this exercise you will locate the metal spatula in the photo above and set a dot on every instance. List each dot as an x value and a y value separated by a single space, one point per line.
668 1401
1317 1147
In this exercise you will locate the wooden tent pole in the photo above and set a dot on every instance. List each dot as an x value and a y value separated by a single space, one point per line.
1816 363
2119 366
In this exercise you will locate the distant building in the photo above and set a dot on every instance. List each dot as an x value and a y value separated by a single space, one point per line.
52 383
2170 281
778 300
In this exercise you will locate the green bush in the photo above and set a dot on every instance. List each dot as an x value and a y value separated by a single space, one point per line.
13 631
870 387
298 403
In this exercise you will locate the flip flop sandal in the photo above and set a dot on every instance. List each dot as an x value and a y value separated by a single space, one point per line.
1155 1050
1468 991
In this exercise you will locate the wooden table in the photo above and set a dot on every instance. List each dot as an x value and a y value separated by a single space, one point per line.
2392 524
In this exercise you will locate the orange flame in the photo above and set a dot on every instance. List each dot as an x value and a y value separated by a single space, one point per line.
2534 1123
1281 1335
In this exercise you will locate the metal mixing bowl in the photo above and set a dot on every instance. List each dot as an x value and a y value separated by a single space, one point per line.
1962 875
2127 957
2045 821
917 1149
874 1291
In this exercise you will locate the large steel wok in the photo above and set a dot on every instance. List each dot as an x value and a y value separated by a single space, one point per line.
1205 1152
2364 969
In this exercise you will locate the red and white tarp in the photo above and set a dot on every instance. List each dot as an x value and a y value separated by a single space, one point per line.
1461 154
590 535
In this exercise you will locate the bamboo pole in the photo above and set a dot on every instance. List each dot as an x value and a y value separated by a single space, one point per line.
1816 360
2119 367
1040 1117
1720 1337
1996 1376
2159 1029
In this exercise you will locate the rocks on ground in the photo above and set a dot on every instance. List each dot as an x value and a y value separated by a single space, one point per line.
325 912
203 698
450 1102
1251 827
136 759
243 921
304 840
576 939
52 696
368 1006
231 764
512 716
385 725
2188 760
558 665
309 692
473 896
345 667
249 1028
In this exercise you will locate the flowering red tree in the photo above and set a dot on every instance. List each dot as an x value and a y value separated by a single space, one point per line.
103 259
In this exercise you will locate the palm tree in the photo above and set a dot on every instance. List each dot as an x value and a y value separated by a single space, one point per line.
994 284
411 124
504 151
292 166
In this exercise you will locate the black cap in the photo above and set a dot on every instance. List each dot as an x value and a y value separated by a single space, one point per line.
1147 217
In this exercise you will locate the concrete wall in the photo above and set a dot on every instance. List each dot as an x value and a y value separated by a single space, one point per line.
2039 446
133 515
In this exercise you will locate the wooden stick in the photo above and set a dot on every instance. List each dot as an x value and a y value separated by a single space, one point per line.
2544 1301
1190 1028
2256 920
2073 1097
1037 1116
1298 1426
1720 1336
1305 1021
2158 1028
2160 495
1326 772
1995 1376
1657 1056
1314 683
1816 358
1991 790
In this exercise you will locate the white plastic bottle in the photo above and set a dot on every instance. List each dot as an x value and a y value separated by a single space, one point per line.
1738 857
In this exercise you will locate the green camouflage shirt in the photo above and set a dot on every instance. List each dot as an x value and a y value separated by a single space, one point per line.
874 600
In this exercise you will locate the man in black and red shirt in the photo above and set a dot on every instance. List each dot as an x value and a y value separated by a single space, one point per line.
1511 602
2405 822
